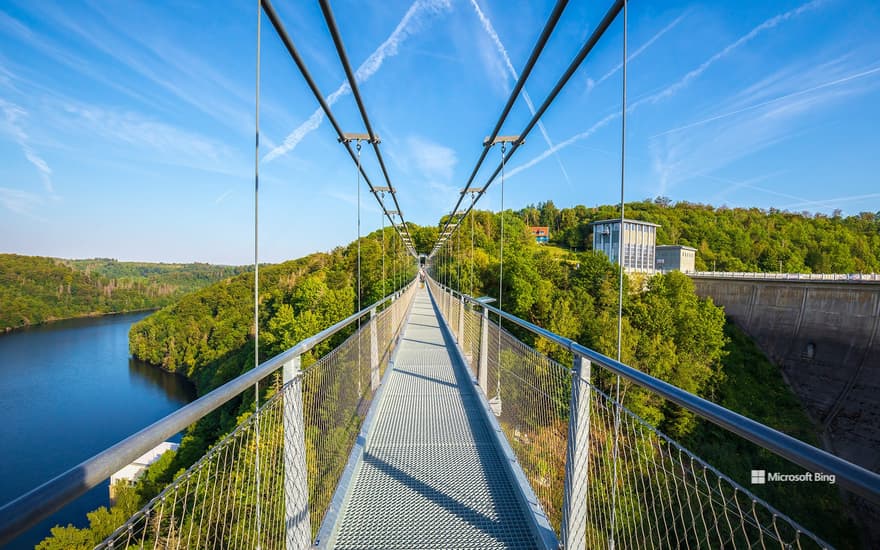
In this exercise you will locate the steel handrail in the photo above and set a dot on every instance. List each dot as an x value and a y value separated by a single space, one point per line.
860 481
24 512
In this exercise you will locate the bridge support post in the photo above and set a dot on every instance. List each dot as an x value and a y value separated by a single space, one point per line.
483 369
297 528
461 321
574 503
374 351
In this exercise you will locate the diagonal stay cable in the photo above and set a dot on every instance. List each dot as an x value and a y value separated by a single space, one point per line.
352 83
514 94
294 54
585 50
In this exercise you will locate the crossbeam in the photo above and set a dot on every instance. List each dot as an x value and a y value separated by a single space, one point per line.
348 137
502 139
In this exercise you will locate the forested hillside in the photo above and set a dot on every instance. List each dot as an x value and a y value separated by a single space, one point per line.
668 332
735 239
204 335
208 336
183 278
35 289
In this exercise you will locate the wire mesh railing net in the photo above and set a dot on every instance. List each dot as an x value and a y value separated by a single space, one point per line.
532 393
666 497
454 312
238 494
214 504
471 341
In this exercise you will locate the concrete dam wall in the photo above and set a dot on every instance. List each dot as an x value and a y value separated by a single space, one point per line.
824 335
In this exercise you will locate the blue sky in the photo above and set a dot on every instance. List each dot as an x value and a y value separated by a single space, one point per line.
126 128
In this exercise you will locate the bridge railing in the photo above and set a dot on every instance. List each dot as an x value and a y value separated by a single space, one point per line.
605 476
851 277
269 482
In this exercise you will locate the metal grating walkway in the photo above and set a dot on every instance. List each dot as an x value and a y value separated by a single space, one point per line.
431 476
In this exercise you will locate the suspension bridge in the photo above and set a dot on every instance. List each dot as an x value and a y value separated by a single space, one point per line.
431 424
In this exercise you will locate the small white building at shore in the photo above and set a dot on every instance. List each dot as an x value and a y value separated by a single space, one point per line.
135 470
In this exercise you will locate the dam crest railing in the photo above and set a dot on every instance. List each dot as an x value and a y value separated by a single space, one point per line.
774 276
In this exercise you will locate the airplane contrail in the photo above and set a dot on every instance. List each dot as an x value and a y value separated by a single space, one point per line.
490 30
389 48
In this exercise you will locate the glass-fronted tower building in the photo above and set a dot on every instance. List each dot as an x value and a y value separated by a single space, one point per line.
638 243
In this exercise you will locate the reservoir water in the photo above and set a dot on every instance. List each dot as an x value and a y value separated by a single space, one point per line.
68 390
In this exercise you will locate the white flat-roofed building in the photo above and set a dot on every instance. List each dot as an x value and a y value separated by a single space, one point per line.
638 243
676 257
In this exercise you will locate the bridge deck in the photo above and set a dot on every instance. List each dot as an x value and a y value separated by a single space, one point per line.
431 475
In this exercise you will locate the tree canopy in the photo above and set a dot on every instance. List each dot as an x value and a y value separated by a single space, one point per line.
667 331
735 239
35 289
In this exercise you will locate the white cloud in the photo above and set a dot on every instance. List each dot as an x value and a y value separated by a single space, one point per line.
680 84
502 51
224 196
563 144
13 115
783 98
641 49
717 141
368 204
127 128
50 48
432 159
833 202
409 25
153 57
771 23
19 201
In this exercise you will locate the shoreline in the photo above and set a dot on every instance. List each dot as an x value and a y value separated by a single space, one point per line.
90 315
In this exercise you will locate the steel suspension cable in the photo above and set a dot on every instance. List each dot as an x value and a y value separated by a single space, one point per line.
257 262
382 219
472 214
620 261
319 97
549 26
458 262
352 82
585 50
500 275
358 146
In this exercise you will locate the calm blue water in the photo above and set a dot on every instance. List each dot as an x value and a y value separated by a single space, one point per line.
67 391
